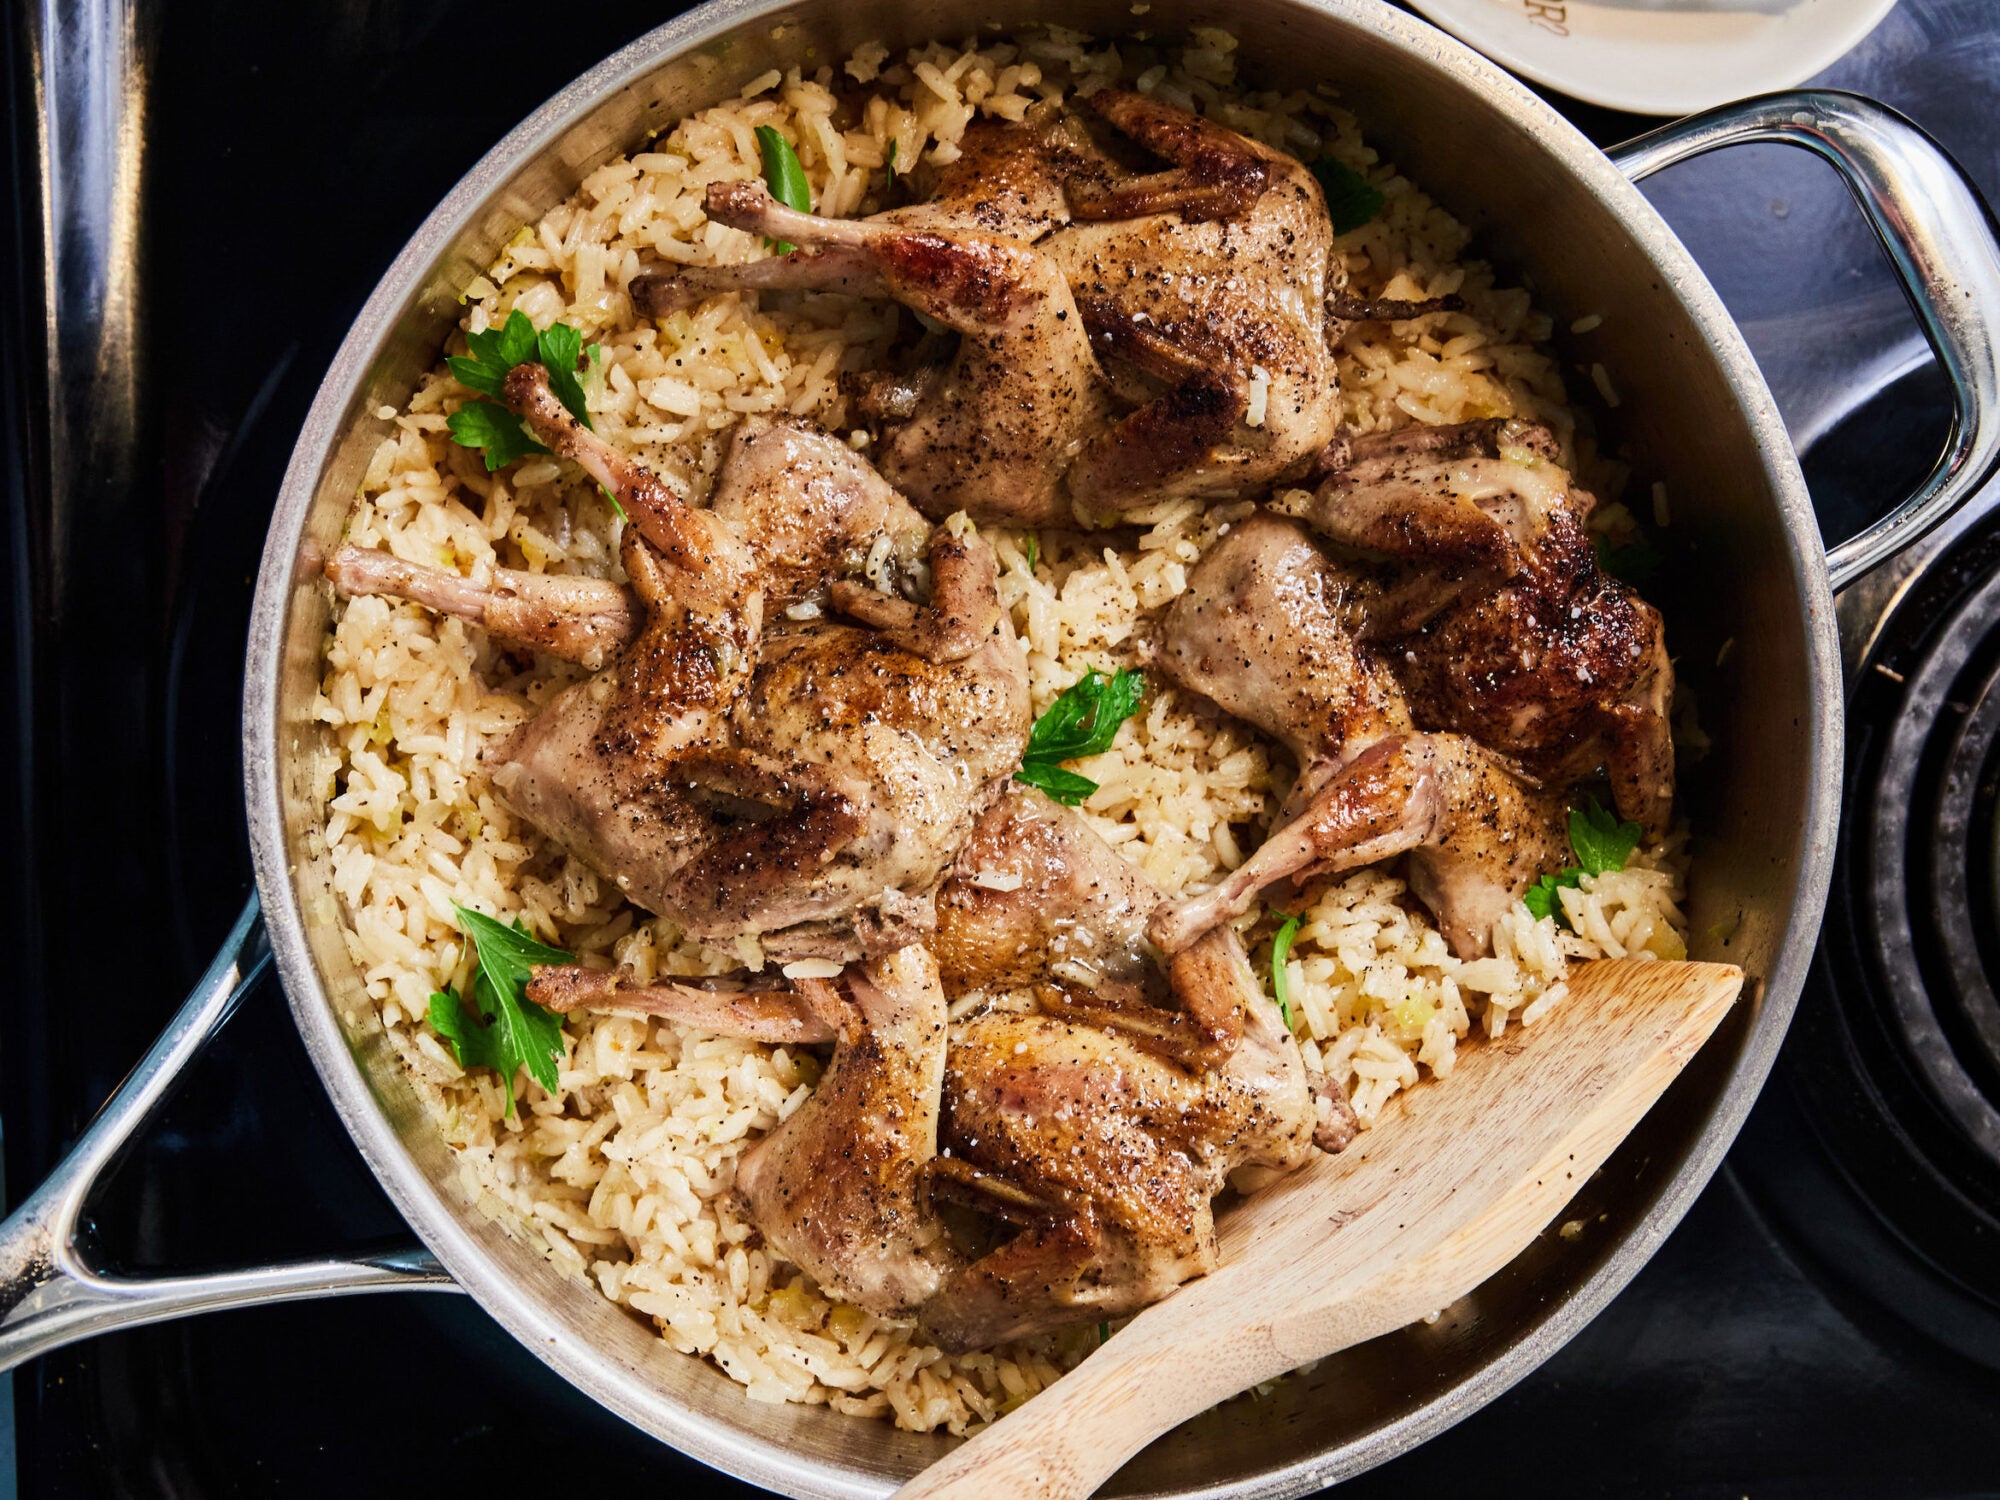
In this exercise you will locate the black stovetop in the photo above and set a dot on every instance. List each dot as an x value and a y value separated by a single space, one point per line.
288 150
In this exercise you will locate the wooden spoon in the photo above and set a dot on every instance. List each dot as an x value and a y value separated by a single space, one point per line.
1442 1193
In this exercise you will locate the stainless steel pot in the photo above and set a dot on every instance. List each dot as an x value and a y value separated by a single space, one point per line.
1749 570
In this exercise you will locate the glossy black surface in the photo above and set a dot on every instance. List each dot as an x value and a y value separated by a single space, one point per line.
289 151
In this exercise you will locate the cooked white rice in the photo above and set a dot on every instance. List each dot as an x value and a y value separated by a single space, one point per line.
624 1174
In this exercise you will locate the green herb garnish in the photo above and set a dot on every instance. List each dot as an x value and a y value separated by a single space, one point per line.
1601 844
498 431
1103 1334
889 168
1540 898
1034 552
1351 199
493 428
784 176
1281 955
1083 721
502 1029
1635 562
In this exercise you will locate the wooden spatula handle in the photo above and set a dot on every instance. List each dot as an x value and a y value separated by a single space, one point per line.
1146 1382
1357 1246
1120 1403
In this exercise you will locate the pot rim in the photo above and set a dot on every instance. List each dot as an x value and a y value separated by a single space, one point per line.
420 1200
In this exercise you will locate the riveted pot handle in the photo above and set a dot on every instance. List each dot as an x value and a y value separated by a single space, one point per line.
50 1292
1940 237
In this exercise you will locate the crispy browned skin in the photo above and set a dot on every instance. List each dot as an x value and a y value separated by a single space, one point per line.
1011 178
1478 495
877 761
809 784
1191 280
1102 1157
1264 631
1527 645
836 1187
992 432
1087 1137
1077 919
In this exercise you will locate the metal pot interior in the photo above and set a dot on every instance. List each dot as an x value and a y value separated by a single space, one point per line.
1745 568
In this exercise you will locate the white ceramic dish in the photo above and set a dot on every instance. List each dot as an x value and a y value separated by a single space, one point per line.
1661 57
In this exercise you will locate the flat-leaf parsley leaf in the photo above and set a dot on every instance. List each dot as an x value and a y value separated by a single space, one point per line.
502 1029
1351 199
1601 844
491 427
1540 898
1083 721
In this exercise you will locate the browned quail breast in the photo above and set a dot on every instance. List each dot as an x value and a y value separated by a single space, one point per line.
809 784
863 766
836 1187
1265 630
1036 897
1531 648
1101 1158
1204 287
993 429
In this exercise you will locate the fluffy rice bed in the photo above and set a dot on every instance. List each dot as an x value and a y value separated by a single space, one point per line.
623 1176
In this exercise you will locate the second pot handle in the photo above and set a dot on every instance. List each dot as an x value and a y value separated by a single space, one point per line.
1940 237
52 1294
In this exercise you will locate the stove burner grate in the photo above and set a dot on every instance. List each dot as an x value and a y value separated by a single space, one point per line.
1929 852
1893 1063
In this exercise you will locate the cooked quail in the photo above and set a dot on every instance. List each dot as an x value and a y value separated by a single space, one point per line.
1263 630
1086 1138
836 1187
809 783
993 432
1528 646
1204 287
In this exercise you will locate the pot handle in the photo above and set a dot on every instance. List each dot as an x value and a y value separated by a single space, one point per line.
52 1294
1941 239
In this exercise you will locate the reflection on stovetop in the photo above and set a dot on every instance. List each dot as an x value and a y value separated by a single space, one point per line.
290 150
